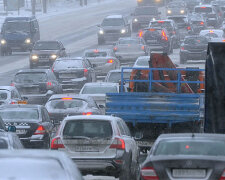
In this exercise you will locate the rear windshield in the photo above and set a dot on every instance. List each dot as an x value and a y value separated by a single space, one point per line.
3 144
196 40
128 41
115 77
113 22
67 103
99 89
19 114
203 9
186 147
34 77
17 26
46 46
91 129
68 64
96 54
146 11
28 168
4 94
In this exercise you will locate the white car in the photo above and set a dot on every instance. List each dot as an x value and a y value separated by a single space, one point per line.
142 62
212 34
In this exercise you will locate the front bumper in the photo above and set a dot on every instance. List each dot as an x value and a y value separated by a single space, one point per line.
42 62
194 55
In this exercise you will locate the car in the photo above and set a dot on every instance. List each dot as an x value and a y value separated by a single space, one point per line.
112 28
10 141
32 122
209 12
172 30
129 49
196 23
193 48
176 8
102 60
10 95
18 34
37 164
44 53
180 20
61 105
73 72
158 39
186 156
142 62
219 11
114 76
211 34
37 85
142 15
99 145
98 90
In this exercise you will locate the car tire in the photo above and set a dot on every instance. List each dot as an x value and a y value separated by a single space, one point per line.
100 41
125 174
183 60
46 144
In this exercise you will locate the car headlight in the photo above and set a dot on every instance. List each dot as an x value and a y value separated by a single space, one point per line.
53 56
135 20
123 31
139 0
169 11
34 57
153 19
3 41
182 11
101 31
28 41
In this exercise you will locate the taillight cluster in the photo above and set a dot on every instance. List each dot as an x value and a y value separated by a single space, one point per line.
164 36
49 85
85 72
223 176
110 61
57 143
148 173
40 130
87 113
115 49
118 144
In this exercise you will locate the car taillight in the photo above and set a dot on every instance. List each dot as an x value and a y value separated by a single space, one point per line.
188 28
164 36
12 84
85 72
87 113
118 144
201 23
49 84
115 49
181 48
57 143
148 173
40 130
140 33
13 103
110 61
143 48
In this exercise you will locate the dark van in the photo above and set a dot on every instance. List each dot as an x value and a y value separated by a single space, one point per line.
18 34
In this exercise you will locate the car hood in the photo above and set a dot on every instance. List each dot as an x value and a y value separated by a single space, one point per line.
39 52
18 35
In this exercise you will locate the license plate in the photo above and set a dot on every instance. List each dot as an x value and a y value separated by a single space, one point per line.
189 173
21 131
144 143
85 148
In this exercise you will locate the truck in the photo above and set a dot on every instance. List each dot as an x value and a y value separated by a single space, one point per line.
161 99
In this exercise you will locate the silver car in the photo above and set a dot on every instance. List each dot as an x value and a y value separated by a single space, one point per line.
142 62
103 60
99 145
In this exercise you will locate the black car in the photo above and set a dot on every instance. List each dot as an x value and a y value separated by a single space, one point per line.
143 15
158 39
36 84
196 23
186 157
73 73
193 48
112 28
61 105
10 141
32 122
45 53
171 28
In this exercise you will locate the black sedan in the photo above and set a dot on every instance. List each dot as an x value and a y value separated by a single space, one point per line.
32 122
46 52
193 48
36 84
73 73
61 105
186 156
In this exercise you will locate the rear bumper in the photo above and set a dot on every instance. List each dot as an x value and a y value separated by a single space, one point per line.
73 86
42 62
16 47
32 143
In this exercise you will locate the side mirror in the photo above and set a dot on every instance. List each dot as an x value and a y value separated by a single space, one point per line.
11 128
138 135
101 106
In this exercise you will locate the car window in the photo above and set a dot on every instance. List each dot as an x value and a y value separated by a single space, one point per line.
34 77
67 103
46 46
115 77
19 114
113 22
121 129
196 40
203 9
45 112
126 129
99 89
143 62
96 54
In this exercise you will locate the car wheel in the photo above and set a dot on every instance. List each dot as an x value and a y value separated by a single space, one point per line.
183 60
46 144
100 41
126 172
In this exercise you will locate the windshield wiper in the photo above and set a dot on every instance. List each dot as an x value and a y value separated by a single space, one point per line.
76 137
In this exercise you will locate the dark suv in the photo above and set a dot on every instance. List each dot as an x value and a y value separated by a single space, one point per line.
112 28
18 34
143 15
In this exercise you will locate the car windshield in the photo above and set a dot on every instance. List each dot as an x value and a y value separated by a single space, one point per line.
46 46
128 41
96 54
86 128
31 168
67 103
115 77
113 22
33 77
4 94
99 89
143 62
191 147
17 26
19 114
68 64
203 9
3 144
146 11
195 40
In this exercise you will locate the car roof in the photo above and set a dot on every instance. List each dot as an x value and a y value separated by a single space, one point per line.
92 117
33 70
78 96
7 88
118 16
101 84
22 106
205 31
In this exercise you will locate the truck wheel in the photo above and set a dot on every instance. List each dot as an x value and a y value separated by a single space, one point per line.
100 41
183 60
